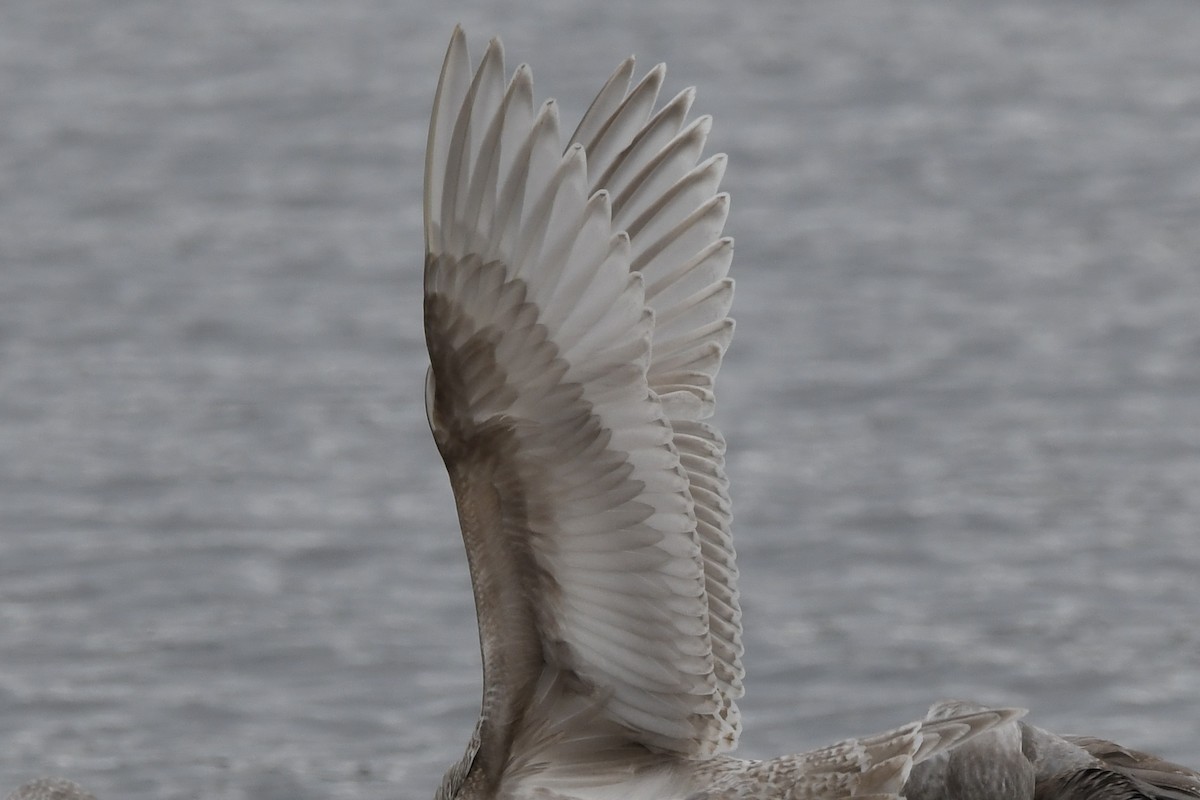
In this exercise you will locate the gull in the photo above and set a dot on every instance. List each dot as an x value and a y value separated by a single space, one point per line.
576 313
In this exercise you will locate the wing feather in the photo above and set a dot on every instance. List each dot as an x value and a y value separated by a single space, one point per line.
604 106
566 399
670 207
656 141
615 133
640 185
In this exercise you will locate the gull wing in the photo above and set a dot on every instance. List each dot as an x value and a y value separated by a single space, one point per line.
567 391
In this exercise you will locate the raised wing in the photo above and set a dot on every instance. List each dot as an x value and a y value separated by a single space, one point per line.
575 316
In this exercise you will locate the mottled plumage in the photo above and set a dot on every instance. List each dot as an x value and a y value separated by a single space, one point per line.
1019 761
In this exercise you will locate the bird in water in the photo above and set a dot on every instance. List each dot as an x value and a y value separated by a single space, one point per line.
576 314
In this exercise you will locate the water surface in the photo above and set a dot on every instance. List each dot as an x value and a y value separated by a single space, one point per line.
963 403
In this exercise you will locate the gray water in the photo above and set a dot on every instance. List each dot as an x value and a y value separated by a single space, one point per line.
963 403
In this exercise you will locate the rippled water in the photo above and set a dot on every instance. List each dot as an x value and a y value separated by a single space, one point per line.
963 404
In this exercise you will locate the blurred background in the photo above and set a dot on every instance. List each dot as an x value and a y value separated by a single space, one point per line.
963 403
